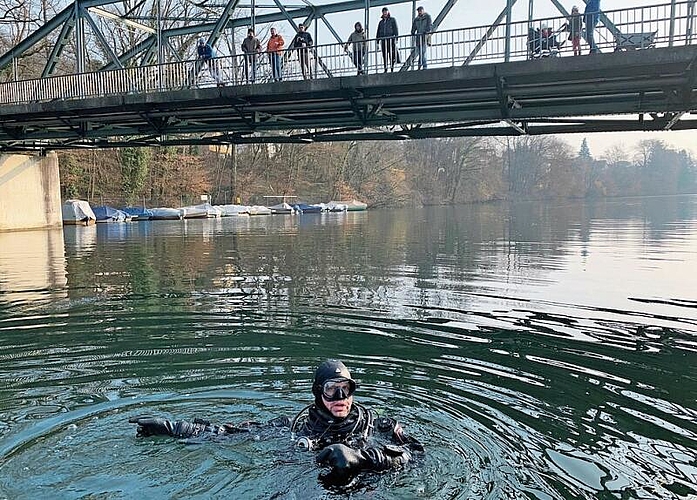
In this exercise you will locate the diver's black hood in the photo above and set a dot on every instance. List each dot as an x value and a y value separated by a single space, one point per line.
331 368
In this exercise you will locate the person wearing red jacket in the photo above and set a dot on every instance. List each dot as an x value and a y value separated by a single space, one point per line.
274 47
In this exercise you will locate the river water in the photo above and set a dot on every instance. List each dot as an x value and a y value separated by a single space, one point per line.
538 350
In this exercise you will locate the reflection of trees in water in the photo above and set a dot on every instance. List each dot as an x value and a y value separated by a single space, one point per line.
313 259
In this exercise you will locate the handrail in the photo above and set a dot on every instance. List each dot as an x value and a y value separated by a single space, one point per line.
447 48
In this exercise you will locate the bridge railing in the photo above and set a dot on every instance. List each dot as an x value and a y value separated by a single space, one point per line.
649 26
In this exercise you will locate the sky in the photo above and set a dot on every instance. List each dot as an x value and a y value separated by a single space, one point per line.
468 13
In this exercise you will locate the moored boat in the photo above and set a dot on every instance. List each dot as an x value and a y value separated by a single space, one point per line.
259 210
335 206
233 210
282 209
138 213
195 211
78 212
306 208
165 213
105 213
351 206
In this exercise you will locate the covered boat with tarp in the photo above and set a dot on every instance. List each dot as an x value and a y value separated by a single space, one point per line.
352 205
202 211
233 210
306 208
105 213
335 206
282 209
259 210
78 212
165 213
138 213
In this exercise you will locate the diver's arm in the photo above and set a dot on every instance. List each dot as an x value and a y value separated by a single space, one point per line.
397 434
156 426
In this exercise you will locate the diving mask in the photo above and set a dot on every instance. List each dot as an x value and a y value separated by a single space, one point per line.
337 389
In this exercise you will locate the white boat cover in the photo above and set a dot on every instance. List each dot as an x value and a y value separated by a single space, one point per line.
352 205
230 210
166 213
202 210
259 210
77 211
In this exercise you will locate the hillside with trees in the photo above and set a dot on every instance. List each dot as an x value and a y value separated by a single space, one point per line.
426 172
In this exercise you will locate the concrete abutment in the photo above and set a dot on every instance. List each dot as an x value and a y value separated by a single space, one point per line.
30 195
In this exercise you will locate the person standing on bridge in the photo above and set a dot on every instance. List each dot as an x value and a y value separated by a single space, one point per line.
574 27
421 29
206 54
358 45
591 15
387 35
251 47
302 43
274 47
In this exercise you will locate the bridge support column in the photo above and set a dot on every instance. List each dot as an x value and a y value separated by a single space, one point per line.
29 192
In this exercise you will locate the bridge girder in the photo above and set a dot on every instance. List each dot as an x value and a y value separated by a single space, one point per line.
654 91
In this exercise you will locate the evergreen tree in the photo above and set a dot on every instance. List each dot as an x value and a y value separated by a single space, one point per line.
134 171
585 152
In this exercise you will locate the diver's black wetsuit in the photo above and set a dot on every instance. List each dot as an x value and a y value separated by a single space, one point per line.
360 441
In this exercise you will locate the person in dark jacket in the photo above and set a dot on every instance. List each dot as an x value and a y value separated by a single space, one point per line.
421 29
206 54
574 28
349 437
387 36
251 48
591 15
302 43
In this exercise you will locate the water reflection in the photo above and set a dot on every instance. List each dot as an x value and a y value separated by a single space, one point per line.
32 266
540 351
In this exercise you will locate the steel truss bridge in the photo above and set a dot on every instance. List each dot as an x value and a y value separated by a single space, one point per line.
482 80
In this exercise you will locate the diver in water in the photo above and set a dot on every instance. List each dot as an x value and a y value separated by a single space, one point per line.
349 437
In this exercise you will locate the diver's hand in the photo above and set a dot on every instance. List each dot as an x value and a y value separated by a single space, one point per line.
341 458
151 426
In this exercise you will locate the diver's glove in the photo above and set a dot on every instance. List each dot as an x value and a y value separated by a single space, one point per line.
156 426
345 461
342 459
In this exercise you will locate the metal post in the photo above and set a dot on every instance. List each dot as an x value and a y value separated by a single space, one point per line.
366 27
234 172
412 43
254 16
672 23
159 44
79 40
507 42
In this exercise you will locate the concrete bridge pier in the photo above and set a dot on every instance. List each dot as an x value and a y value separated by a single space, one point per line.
30 195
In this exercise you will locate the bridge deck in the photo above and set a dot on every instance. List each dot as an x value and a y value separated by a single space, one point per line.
552 95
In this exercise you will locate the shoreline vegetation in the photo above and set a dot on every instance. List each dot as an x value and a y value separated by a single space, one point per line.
382 174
